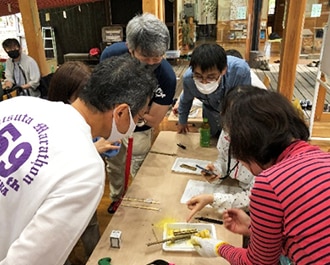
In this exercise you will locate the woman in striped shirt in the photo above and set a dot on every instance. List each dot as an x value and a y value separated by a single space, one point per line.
289 203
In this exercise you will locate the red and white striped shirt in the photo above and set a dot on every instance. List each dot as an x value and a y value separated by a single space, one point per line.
290 210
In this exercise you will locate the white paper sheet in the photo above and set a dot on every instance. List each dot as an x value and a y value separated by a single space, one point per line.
197 187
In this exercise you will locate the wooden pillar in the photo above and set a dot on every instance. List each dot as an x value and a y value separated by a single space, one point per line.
156 7
161 10
290 47
32 29
248 41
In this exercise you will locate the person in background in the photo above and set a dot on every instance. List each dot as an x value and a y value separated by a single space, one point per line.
21 69
65 86
147 39
51 174
290 193
67 81
209 78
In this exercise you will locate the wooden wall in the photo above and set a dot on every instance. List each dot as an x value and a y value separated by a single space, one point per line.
170 15
80 31
121 11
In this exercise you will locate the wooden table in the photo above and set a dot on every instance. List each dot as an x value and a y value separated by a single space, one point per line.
193 120
196 119
166 143
156 181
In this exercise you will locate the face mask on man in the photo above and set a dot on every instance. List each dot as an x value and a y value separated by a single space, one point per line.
141 59
207 88
13 54
115 135
151 67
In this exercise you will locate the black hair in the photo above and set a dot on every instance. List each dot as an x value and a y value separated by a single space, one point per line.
260 123
208 56
234 52
10 43
117 80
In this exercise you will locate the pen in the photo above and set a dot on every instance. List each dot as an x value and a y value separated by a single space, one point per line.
181 146
210 220
208 172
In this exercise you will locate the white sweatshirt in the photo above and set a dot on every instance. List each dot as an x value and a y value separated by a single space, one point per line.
51 180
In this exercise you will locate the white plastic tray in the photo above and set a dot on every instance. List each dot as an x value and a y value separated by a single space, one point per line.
184 245
191 162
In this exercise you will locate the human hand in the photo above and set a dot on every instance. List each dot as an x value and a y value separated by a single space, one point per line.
175 108
8 84
183 128
210 178
102 145
197 203
207 247
237 221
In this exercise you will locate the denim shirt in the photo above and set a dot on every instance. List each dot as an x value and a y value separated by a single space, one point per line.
238 73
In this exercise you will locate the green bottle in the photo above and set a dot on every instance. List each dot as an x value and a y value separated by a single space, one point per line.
205 134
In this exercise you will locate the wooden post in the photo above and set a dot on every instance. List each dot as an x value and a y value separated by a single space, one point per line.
290 47
32 29
248 41
155 7
161 10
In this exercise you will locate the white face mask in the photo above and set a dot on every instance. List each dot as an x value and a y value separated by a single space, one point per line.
207 88
115 135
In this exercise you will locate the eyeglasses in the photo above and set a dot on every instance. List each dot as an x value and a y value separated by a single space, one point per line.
208 79
141 121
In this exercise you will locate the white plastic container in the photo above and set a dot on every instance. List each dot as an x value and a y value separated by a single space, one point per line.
184 245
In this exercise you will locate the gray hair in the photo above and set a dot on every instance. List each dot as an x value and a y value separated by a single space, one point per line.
117 80
149 34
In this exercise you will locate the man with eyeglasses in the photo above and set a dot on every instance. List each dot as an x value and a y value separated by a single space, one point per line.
147 39
210 76
51 175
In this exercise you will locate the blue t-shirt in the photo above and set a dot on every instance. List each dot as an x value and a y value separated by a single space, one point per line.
164 73
238 73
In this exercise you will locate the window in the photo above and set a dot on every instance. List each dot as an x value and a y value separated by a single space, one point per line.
271 7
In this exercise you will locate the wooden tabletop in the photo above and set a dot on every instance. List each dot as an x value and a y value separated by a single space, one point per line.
167 143
197 118
144 224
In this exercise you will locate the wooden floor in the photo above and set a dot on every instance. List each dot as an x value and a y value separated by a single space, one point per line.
304 84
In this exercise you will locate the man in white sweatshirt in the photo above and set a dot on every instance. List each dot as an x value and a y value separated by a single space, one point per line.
51 175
